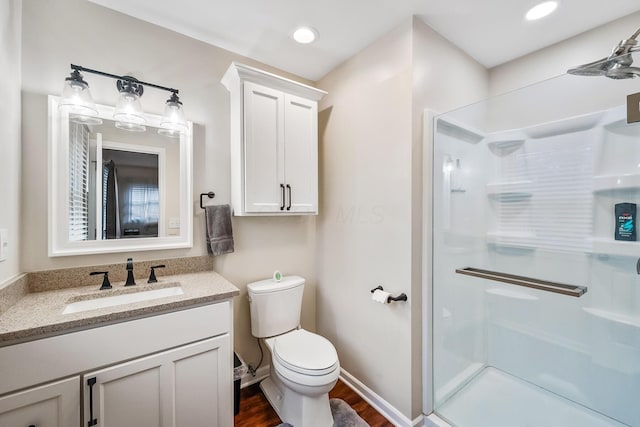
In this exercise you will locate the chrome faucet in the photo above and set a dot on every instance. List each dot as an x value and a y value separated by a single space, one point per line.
130 280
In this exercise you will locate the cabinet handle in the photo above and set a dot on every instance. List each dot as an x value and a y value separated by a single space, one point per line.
282 196
289 188
92 421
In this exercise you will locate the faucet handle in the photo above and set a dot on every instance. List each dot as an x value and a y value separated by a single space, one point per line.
152 276
131 281
105 279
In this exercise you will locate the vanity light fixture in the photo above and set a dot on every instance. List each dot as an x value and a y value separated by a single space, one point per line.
305 35
541 10
128 112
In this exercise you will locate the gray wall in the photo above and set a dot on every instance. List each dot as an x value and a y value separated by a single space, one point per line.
10 151
370 225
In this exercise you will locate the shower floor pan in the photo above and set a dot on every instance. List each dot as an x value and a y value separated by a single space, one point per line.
496 399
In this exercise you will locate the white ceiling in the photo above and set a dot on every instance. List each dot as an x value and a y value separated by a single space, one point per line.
491 31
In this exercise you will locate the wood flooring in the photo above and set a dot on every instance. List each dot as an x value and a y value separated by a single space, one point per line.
255 410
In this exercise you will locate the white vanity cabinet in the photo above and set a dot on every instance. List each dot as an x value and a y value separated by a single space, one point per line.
167 370
187 386
56 404
274 143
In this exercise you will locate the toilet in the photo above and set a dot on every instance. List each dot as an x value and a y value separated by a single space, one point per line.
304 365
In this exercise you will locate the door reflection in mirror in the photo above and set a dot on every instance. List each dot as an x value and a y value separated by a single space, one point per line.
130 199
121 198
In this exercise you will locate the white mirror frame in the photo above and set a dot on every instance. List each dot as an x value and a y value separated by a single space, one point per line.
58 195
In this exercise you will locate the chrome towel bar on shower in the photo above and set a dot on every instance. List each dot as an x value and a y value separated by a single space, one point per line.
512 279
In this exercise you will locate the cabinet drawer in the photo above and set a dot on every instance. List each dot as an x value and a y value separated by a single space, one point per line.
35 362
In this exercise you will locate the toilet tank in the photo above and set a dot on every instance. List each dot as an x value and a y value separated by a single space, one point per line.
275 306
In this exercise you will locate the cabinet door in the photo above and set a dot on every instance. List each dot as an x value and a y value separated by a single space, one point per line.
190 385
263 149
202 384
51 405
301 154
125 395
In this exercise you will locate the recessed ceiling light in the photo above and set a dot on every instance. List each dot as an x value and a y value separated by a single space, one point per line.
305 35
541 10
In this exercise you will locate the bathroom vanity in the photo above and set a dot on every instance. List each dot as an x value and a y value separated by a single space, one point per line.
163 361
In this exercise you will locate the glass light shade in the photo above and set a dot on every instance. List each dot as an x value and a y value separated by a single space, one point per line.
77 100
132 127
129 110
173 122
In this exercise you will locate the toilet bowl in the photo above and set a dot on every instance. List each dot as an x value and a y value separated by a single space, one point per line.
304 368
304 365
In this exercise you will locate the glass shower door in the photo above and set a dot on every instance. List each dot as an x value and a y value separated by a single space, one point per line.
536 304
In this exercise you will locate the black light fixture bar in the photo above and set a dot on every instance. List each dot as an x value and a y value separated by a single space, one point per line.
125 78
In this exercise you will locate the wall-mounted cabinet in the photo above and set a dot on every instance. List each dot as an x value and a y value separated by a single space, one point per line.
274 143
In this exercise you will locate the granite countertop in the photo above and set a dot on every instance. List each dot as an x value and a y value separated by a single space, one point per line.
39 314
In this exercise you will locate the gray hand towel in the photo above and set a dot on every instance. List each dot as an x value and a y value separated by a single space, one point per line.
219 232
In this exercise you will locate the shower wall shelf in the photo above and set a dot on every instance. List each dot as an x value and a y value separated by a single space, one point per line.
509 191
633 321
503 147
629 181
507 293
458 131
528 282
520 241
609 246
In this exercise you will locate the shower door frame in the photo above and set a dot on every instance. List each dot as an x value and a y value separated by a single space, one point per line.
427 261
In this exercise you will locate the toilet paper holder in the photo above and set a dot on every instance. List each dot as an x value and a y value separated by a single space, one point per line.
401 297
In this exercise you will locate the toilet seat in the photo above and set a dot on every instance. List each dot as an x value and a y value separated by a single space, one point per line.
305 353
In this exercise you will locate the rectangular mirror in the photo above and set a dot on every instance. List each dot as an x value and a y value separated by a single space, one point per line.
114 190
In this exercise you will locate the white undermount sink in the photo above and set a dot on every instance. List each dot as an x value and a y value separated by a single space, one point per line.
113 300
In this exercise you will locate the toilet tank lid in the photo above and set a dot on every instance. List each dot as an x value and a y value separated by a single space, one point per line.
270 285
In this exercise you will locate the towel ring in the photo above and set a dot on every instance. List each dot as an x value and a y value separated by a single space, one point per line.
210 194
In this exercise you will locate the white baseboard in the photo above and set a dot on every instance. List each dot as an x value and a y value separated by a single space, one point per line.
248 379
387 410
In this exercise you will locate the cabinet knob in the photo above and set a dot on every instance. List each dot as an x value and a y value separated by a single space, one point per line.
282 196
289 188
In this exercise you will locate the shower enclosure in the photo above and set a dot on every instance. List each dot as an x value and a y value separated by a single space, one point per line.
535 304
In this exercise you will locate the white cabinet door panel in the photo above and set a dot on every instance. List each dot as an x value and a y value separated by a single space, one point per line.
301 154
51 405
264 154
202 386
126 395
